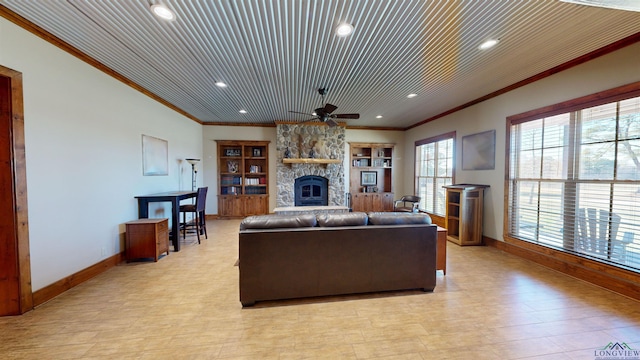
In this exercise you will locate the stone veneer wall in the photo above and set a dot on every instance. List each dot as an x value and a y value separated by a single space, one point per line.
305 141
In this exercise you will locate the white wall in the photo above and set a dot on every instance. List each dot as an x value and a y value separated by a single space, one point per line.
83 135
610 71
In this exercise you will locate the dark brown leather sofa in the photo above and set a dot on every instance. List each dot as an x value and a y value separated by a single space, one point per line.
284 257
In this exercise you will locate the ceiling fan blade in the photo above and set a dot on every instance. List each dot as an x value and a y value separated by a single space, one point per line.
328 108
298 112
331 122
346 116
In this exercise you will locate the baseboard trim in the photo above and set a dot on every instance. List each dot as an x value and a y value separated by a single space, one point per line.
49 292
621 281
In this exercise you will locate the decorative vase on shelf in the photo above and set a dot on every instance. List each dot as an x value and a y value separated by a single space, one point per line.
287 153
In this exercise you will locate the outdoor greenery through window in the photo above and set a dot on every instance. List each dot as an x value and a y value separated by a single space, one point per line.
434 169
574 179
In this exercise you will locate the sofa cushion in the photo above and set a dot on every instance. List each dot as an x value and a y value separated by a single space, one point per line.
278 221
344 219
398 218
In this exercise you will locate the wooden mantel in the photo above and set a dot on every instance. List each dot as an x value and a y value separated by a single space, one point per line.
311 161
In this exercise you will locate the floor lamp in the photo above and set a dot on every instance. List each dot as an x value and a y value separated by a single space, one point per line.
194 172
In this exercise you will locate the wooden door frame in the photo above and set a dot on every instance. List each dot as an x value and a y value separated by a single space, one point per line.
19 191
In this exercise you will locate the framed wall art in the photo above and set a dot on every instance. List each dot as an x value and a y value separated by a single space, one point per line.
479 151
155 156
368 178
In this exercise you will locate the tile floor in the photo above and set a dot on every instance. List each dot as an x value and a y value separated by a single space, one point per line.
490 305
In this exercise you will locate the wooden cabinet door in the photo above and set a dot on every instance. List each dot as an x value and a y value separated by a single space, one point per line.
230 205
358 202
372 202
255 205
376 202
387 201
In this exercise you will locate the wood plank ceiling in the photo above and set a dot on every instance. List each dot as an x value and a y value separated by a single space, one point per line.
274 55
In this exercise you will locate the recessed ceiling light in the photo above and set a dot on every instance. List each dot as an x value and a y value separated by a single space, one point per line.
412 95
379 117
488 44
163 12
243 111
220 84
344 29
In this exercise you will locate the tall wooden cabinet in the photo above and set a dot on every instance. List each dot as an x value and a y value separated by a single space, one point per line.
371 176
464 213
243 178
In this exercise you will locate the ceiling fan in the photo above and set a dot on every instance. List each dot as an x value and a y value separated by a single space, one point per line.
324 113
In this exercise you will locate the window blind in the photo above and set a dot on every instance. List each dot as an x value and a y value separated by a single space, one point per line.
434 169
574 181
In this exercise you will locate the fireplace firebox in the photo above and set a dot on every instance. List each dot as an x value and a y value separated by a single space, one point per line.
311 190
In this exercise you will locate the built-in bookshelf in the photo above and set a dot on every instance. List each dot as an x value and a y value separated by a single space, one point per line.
371 176
243 173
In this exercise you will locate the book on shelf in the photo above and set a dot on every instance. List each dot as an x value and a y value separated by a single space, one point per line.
252 181
360 162
226 180
230 180
255 190
230 190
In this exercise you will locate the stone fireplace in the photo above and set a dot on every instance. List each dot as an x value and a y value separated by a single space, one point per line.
311 190
316 142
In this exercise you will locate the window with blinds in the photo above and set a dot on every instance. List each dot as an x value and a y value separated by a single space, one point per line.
574 181
434 169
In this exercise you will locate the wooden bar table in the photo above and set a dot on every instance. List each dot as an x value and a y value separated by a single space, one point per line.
174 197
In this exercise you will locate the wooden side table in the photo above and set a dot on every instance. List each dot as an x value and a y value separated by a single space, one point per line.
441 259
147 238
